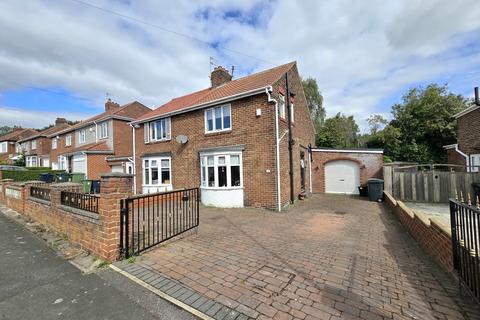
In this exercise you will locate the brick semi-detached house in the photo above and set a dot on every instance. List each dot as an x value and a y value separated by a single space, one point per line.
9 152
37 147
98 145
231 139
466 152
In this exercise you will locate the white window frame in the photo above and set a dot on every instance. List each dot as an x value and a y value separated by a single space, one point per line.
222 127
281 106
68 140
30 161
82 136
292 111
54 143
216 156
62 163
159 166
151 135
103 130
475 161
4 147
34 144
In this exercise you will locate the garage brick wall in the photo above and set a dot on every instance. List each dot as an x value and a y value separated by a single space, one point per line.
370 164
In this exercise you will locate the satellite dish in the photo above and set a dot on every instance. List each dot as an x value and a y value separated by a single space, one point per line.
181 139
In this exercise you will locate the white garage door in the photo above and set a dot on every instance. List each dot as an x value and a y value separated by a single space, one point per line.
342 176
79 164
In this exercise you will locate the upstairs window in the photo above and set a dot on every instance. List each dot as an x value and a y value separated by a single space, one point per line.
281 106
4 147
34 144
82 136
103 130
159 130
54 143
218 119
68 140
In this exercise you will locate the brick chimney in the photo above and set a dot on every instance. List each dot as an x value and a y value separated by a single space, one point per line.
60 122
219 76
109 105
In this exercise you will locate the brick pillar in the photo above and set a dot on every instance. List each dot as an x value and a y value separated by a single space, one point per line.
113 188
5 183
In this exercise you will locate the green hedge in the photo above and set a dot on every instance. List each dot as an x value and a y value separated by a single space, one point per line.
27 175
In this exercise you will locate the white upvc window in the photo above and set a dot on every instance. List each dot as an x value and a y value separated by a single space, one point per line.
157 171
159 130
218 119
34 144
68 140
54 143
4 147
103 130
62 163
475 162
31 161
221 170
281 106
82 136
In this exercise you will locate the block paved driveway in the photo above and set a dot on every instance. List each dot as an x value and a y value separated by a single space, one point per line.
330 257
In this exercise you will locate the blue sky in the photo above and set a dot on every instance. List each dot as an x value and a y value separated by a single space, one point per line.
61 59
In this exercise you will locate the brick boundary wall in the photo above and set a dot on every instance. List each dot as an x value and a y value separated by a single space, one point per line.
432 234
97 233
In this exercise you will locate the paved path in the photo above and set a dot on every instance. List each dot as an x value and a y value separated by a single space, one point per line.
332 257
37 284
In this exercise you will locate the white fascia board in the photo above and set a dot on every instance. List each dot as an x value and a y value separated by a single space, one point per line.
347 151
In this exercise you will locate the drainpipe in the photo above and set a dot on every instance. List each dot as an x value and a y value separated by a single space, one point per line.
467 158
277 148
310 158
96 131
134 159
290 139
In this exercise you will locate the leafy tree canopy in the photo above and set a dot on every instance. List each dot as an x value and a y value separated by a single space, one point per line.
340 131
314 101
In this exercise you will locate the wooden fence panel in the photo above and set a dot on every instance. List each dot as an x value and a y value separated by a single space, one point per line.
433 186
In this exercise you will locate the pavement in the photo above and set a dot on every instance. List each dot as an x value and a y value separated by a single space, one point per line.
432 210
329 257
35 283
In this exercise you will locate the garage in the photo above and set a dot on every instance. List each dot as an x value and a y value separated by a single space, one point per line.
342 170
342 176
79 164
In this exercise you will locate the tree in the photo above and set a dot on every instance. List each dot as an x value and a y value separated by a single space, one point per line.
339 131
376 121
423 123
5 130
314 101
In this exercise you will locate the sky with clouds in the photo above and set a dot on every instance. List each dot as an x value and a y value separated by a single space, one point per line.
60 58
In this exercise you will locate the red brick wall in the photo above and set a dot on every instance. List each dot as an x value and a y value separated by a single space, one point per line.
469 132
370 164
455 158
5 157
122 139
256 133
303 133
433 236
61 148
97 166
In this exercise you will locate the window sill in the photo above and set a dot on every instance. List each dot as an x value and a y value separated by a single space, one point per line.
157 185
221 188
157 141
218 132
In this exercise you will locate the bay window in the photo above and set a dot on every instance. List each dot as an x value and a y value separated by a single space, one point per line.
157 171
221 170
31 161
62 163
218 119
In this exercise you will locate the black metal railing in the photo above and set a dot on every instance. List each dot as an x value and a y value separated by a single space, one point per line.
149 220
41 193
80 201
465 224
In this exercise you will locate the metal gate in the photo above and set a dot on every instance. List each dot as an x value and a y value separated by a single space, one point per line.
465 224
148 220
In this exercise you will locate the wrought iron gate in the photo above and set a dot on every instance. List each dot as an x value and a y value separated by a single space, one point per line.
465 224
148 220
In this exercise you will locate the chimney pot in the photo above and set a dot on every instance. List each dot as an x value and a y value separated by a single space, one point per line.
109 105
220 76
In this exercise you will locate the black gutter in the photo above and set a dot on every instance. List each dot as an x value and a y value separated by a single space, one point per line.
290 139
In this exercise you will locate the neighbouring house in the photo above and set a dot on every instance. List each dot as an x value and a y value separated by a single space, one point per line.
466 152
342 170
98 145
37 147
9 151
231 139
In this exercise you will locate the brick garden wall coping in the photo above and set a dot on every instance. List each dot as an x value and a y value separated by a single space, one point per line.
97 233
432 234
